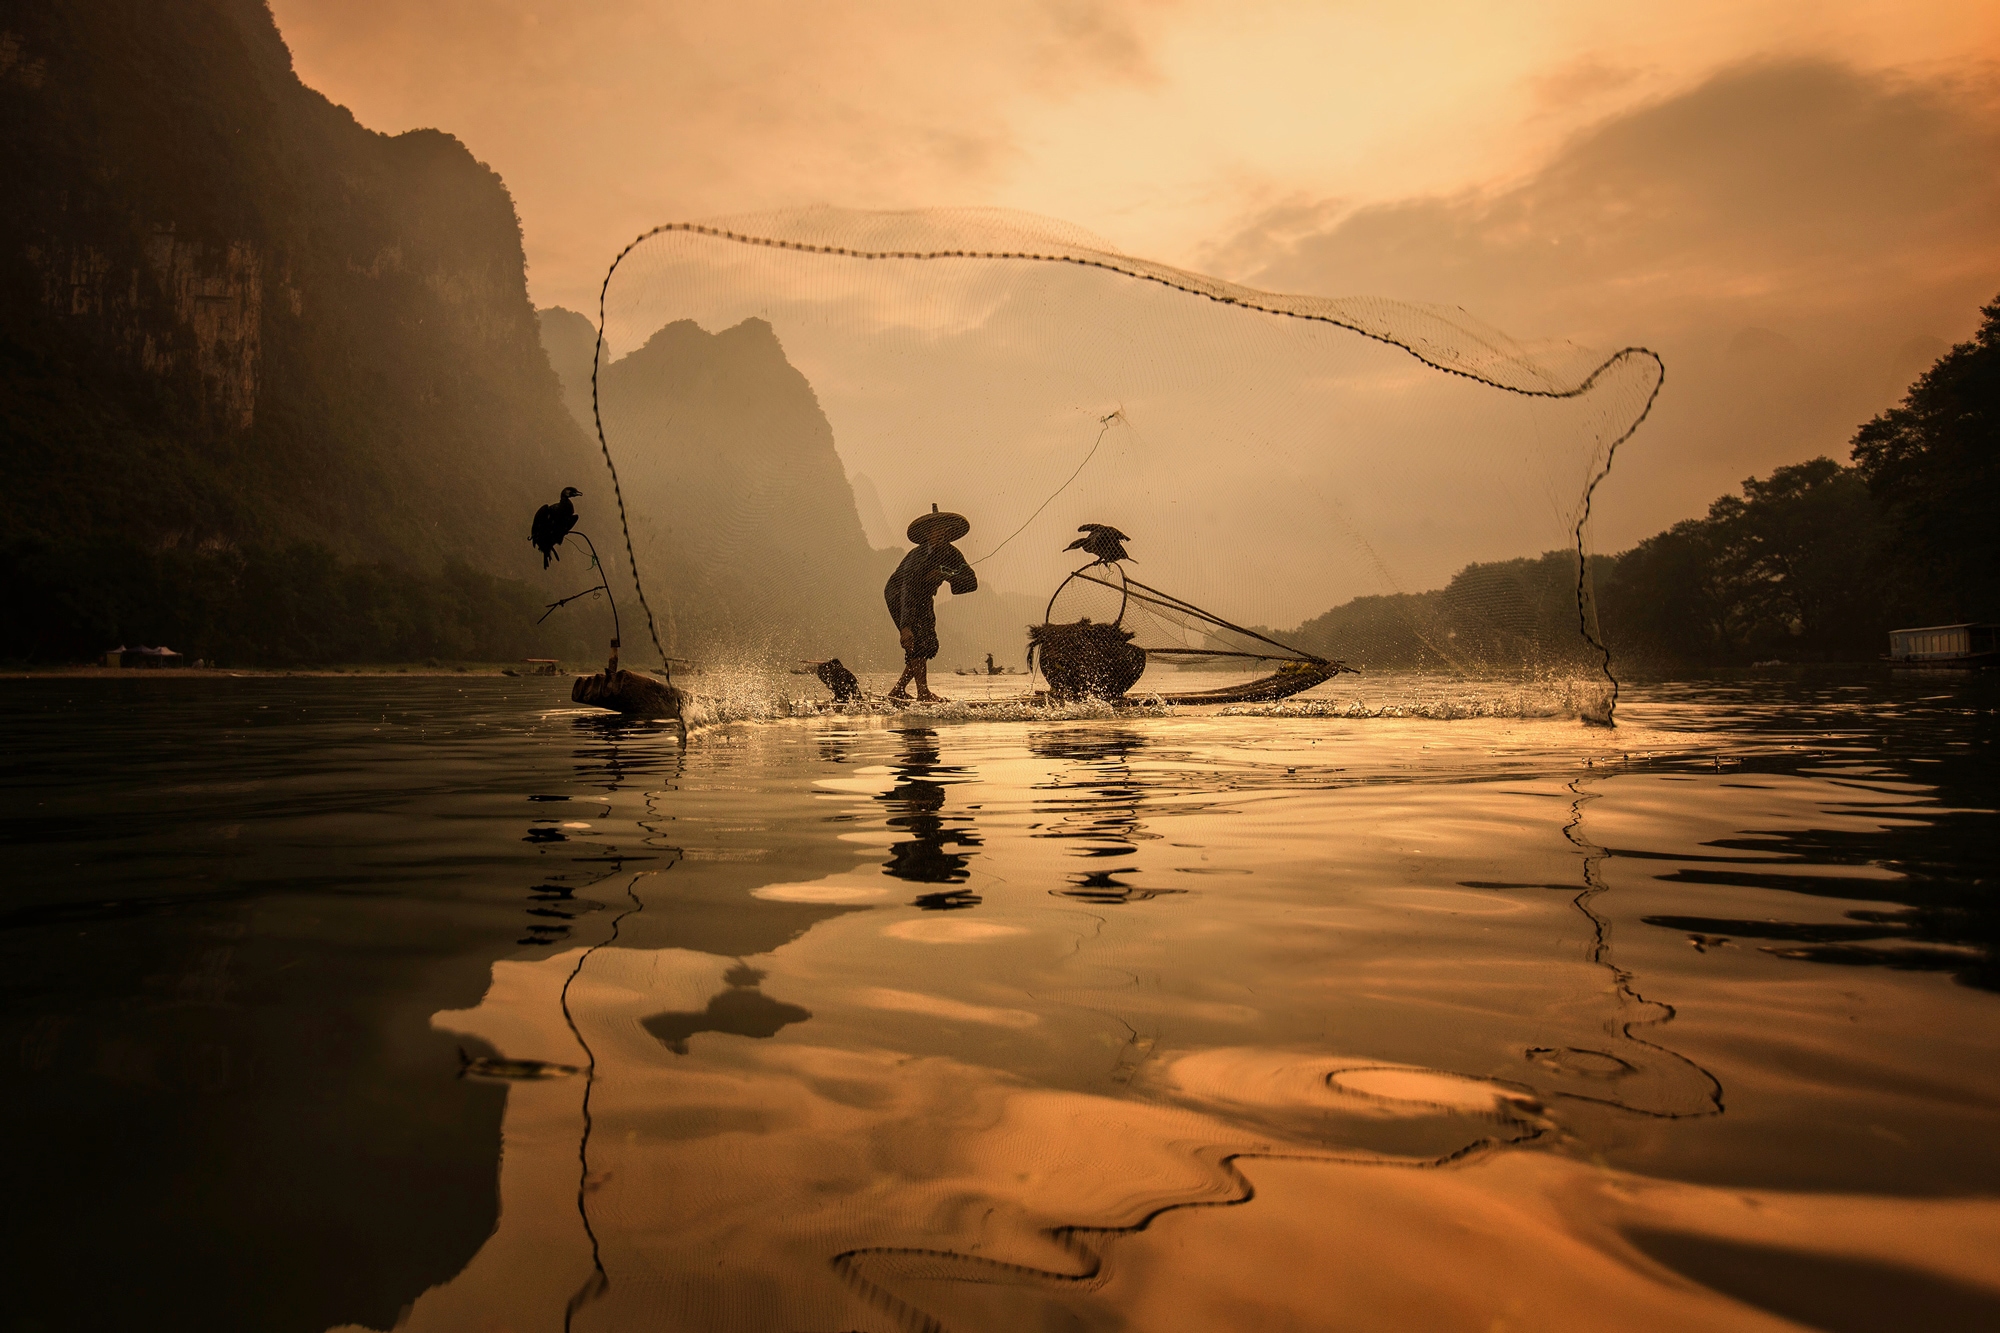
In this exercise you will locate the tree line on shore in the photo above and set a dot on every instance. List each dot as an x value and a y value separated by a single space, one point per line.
279 605
1814 563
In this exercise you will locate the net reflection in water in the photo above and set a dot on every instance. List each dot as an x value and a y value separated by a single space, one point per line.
1271 456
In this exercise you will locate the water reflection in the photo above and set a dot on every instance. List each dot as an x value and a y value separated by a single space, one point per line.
1930 747
1095 808
803 1102
740 1011
916 808
1935 861
1642 1074
615 751
235 908
614 754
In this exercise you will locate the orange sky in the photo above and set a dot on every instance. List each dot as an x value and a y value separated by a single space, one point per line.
1797 204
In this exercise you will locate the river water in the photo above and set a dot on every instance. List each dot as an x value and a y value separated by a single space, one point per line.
443 1004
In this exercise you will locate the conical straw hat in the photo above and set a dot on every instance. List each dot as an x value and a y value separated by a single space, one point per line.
939 527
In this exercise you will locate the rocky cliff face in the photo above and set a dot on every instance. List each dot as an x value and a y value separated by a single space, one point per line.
230 314
189 311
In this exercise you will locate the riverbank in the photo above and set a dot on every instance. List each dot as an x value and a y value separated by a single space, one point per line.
94 672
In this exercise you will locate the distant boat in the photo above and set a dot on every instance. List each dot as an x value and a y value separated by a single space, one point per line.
990 670
1947 647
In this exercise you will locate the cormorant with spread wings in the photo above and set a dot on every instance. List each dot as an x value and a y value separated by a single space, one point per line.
1103 541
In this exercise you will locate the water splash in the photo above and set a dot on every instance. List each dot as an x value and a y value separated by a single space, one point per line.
737 695
1583 700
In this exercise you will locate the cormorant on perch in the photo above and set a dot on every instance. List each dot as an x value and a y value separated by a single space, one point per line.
1104 541
552 524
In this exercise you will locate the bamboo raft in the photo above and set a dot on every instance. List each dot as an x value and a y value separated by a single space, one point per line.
1081 659
633 693
1290 678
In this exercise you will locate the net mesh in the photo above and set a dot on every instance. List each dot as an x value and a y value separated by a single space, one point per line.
1390 484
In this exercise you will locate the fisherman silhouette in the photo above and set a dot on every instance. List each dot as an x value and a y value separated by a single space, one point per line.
1103 541
912 587
552 524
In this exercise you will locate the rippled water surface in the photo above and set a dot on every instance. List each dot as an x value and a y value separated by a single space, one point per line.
440 1004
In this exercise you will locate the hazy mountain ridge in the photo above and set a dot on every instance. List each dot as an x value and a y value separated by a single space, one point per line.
1797 568
741 512
570 340
236 321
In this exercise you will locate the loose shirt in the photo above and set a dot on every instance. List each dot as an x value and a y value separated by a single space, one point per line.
915 582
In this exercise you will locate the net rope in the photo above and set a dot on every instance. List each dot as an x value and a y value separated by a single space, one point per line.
1180 280
1103 429
1442 340
617 489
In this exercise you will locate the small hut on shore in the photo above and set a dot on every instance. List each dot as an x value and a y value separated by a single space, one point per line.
1961 646
163 656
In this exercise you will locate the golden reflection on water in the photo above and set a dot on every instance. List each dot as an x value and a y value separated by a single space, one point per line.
1202 1023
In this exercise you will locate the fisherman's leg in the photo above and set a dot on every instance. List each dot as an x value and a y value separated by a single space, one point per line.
909 642
920 658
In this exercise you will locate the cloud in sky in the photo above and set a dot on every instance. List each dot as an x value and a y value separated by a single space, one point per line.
1159 123
605 118
1797 238
1789 201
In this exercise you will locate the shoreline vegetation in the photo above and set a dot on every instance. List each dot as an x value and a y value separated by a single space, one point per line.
1815 563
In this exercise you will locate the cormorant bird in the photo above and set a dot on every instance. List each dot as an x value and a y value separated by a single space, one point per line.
552 524
835 676
1103 541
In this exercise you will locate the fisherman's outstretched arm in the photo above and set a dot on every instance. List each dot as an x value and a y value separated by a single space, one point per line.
960 574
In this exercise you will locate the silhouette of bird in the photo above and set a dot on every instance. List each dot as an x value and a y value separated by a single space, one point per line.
552 524
835 676
1103 541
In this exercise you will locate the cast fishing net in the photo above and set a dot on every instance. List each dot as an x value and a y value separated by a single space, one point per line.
1390 485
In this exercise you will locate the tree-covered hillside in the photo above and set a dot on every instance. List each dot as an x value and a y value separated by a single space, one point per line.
270 383
1818 561
1814 563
